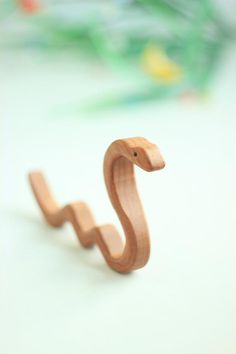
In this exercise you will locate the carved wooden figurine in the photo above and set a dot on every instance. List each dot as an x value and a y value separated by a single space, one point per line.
119 161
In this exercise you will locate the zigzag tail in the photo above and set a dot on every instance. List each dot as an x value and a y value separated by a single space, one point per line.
77 213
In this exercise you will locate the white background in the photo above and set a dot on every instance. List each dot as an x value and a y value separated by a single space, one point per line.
59 298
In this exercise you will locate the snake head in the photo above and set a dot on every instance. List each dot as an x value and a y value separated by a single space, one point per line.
144 154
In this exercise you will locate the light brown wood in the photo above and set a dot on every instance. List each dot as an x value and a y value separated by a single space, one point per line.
119 161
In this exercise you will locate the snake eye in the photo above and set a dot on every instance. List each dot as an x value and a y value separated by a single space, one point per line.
135 154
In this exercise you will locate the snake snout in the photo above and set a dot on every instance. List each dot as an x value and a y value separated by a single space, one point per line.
149 159
154 160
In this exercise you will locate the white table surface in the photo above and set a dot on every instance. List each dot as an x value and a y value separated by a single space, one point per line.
58 298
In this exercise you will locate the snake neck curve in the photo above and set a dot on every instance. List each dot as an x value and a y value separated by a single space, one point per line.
121 186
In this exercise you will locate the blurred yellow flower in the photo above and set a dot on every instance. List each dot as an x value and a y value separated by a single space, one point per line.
159 66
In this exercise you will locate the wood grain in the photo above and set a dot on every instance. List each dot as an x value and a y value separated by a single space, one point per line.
119 161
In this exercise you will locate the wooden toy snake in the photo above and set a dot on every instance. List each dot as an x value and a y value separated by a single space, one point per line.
119 161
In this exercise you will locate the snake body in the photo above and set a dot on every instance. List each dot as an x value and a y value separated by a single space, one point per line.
119 161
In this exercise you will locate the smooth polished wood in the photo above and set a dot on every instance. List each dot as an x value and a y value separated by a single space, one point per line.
119 161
